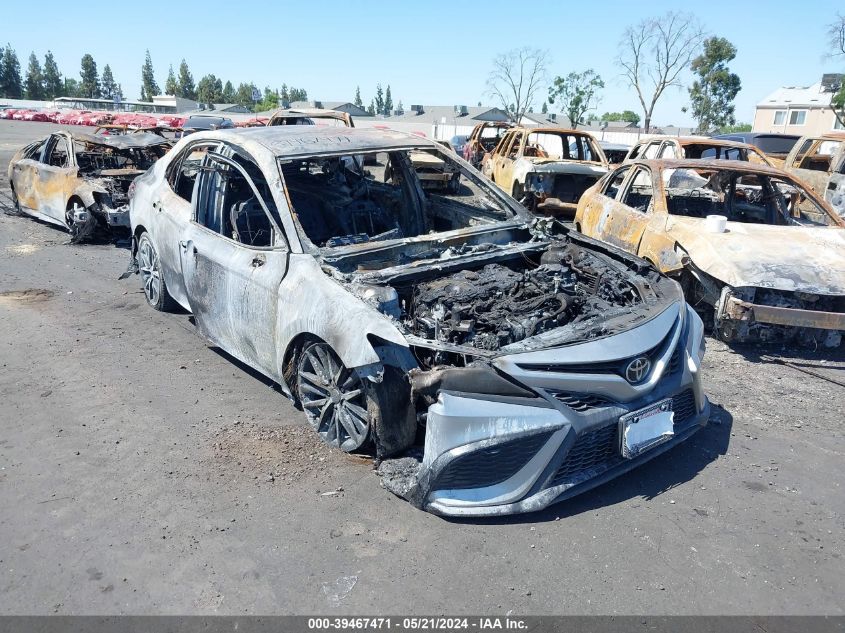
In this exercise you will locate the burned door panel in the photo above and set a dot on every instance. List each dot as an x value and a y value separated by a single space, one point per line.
24 179
254 278
626 218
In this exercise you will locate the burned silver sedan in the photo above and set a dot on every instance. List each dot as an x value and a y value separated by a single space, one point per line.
80 181
531 363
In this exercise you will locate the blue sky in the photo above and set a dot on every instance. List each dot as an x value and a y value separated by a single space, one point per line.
433 52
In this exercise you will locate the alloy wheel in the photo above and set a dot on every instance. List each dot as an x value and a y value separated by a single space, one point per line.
333 398
150 269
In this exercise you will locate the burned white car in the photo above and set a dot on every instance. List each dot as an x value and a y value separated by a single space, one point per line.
532 363
79 181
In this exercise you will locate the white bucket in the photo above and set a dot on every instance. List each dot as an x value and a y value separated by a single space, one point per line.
715 224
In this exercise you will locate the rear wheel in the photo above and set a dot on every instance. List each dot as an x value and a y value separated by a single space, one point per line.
149 266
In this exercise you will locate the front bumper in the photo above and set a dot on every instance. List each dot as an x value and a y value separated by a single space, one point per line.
739 310
488 455
118 217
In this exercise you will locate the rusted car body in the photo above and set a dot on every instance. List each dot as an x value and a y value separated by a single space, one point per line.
80 181
697 147
483 139
820 162
309 116
435 173
525 355
546 169
776 147
776 273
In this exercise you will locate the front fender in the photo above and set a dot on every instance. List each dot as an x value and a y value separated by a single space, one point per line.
310 302
86 191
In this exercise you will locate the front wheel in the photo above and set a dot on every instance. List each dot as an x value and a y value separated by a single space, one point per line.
149 266
348 411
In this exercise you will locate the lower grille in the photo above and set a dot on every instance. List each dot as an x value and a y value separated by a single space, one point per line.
581 402
599 449
683 404
590 450
490 466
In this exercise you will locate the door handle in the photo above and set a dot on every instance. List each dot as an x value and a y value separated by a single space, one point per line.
258 260
156 205
183 244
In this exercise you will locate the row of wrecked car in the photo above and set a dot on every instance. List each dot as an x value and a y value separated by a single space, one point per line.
491 358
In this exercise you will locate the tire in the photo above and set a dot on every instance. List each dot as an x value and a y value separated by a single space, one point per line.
350 412
16 204
149 267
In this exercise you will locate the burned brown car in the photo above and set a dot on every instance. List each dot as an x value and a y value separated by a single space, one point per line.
697 147
820 162
532 363
545 168
82 182
310 116
483 139
760 255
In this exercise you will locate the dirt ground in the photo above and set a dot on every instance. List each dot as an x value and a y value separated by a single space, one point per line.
144 472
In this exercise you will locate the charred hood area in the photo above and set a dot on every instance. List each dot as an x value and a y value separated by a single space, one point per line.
500 304
503 299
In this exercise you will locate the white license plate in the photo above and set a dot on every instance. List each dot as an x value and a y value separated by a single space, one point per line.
646 428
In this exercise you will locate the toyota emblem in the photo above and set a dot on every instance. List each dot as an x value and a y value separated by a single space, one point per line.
637 370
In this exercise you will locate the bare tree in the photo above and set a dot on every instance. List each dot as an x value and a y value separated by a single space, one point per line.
515 79
655 52
836 35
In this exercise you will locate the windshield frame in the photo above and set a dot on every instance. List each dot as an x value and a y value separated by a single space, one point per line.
519 216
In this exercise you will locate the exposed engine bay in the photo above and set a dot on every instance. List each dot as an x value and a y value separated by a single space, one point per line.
491 300
551 191
109 166
502 304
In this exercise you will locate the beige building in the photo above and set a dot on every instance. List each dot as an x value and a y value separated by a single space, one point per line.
804 111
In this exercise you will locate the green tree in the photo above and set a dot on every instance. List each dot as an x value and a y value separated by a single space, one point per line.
626 115
244 95
269 102
739 127
654 53
89 86
388 101
53 85
34 82
836 32
171 85
108 86
149 87
576 94
545 108
284 93
70 88
11 85
371 109
210 90
229 95
358 101
715 87
187 90
379 101
297 94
